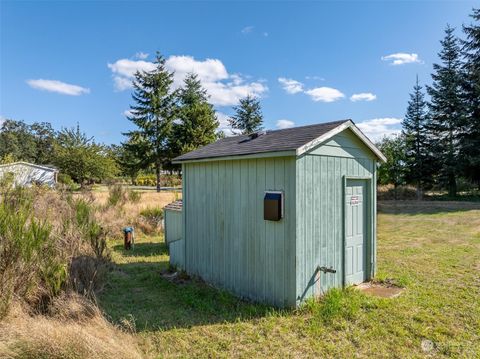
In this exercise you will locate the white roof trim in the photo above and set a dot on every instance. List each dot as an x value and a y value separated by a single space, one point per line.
30 165
326 136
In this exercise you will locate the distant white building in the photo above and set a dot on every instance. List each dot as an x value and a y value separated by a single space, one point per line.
26 174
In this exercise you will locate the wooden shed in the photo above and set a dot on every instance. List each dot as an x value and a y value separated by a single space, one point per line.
280 216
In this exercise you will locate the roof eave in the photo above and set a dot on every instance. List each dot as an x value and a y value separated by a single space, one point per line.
239 157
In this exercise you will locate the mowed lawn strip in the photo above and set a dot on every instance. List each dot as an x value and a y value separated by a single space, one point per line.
432 249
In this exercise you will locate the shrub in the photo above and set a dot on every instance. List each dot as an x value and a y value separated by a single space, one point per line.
134 196
29 266
117 195
165 180
65 179
41 233
154 214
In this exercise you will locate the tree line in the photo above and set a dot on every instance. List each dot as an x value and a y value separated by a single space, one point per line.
168 122
440 140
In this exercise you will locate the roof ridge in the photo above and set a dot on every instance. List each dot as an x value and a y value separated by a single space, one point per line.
312 125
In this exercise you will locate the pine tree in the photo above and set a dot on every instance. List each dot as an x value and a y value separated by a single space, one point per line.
153 114
415 132
197 123
447 110
470 148
248 116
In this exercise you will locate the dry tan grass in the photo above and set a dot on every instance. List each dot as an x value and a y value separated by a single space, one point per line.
148 199
114 218
75 329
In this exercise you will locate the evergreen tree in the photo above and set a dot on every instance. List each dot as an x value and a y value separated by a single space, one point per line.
153 114
419 170
470 148
447 110
197 122
128 163
248 116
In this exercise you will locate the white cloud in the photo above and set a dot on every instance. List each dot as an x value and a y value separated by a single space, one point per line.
141 55
401 58
315 77
2 120
364 96
124 70
58 87
281 124
224 89
325 94
265 34
247 29
375 129
209 70
290 85
224 125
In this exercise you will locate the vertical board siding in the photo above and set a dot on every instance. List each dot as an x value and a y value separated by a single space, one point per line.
173 237
320 220
228 243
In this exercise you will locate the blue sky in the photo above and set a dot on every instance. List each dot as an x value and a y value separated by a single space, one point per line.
69 62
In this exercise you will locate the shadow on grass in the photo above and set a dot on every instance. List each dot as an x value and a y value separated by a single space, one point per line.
143 249
425 207
137 292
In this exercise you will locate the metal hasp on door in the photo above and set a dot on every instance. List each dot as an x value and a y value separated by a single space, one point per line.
355 231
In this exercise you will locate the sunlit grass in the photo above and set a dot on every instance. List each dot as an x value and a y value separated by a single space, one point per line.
433 251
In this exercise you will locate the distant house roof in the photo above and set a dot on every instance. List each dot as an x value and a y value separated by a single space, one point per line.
42 167
174 206
298 139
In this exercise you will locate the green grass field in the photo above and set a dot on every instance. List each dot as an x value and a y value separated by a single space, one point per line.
431 248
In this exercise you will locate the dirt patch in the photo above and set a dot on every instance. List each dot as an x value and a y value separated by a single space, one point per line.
380 290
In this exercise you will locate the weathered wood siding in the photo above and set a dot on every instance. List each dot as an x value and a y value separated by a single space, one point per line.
319 211
228 243
173 237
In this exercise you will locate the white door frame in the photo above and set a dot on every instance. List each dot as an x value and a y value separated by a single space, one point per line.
369 235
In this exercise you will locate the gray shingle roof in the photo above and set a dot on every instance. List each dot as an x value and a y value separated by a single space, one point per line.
174 206
273 141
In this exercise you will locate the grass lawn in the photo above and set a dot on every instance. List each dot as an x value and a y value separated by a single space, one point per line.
431 248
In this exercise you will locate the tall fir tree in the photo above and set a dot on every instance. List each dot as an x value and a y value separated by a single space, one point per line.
153 114
417 151
197 122
470 148
447 112
248 116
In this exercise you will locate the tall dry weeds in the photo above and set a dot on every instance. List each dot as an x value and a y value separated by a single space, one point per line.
42 233
73 328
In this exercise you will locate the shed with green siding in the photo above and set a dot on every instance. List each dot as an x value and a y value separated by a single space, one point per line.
280 216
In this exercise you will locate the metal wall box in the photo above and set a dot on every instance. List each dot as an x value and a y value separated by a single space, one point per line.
273 206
